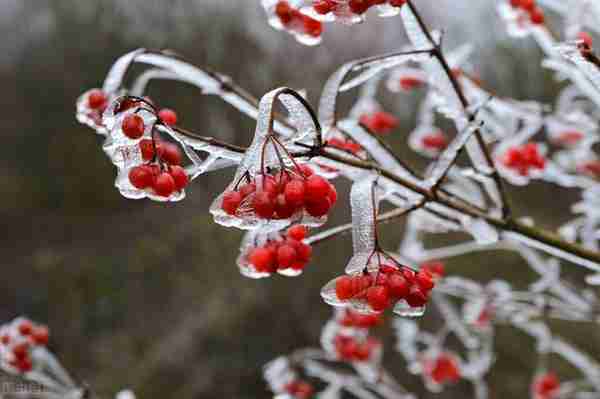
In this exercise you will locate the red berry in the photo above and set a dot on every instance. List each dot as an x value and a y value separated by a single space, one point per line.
25 327
5 339
344 288
231 202
20 351
416 297
97 99
263 205
297 232
294 192
315 187
359 6
41 335
286 256
425 280
168 116
303 250
141 177
164 184
410 82
397 3
179 176
133 126
283 209
319 207
378 298
284 12
537 16
586 38
323 7
169 153
312 27
445 370
147 149
398 286
263 259
435 141
247 189
25 365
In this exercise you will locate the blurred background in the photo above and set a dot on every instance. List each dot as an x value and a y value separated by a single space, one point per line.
147 295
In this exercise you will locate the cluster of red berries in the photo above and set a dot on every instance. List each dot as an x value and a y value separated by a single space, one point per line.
354 319
163 173
288 253
292 19
536 15
379 122
281 195
443 369
381 289
352 349
325 7
344 144
545 386
524 158
299 389
18 339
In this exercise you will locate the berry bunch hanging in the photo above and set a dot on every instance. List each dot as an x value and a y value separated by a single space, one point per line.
18 340
285 254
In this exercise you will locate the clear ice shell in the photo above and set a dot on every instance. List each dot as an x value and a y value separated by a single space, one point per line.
255 158
125 153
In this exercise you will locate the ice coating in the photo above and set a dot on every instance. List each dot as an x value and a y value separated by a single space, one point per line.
264 152
364 210
370 67
448 156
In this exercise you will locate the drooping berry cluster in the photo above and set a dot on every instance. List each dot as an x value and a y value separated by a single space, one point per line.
382 289
523 159
379 122
535 14
306 29
358 7
162 173
281 195
441 368
287 255
17 340
545 386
